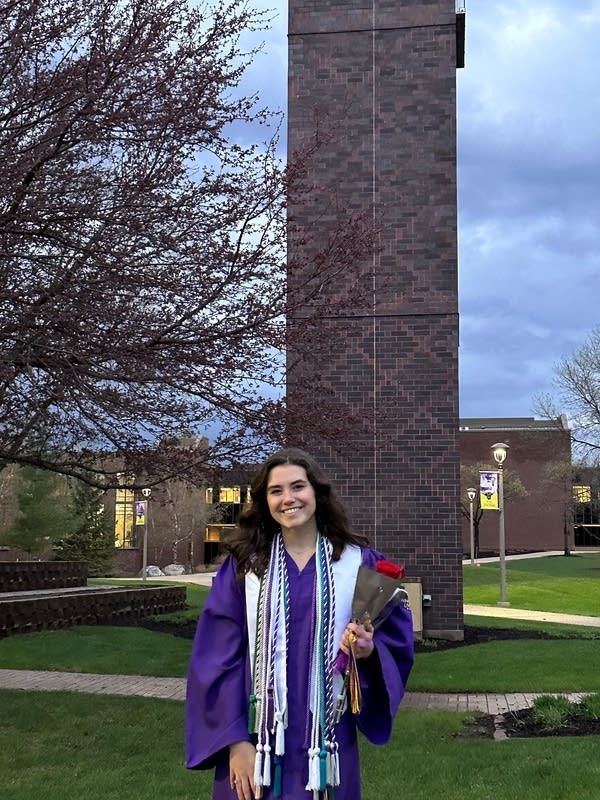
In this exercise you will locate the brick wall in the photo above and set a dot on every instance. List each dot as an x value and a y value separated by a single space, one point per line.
541 459
381 81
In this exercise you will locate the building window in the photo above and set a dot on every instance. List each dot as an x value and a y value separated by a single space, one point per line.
125 534
230 494
582 494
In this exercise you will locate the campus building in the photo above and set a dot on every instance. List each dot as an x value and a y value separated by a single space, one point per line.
540 514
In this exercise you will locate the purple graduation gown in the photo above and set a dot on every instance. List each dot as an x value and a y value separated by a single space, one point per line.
219 684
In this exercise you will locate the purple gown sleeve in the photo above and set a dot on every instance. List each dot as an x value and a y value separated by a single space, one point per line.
384 674
216 700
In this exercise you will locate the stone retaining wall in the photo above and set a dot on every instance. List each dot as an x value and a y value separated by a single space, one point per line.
105 606
24 576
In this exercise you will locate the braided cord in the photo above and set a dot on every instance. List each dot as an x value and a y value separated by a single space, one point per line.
256 671
262 764
333 777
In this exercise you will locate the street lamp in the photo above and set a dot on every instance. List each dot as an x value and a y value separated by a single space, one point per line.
471 494
499 451
146 495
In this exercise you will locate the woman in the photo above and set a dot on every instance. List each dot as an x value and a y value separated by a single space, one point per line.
265 701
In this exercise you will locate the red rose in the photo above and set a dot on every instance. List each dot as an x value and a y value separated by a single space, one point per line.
390 569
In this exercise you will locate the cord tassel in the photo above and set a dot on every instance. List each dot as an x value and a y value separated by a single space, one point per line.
278 776
313 770
330 765
354 689
258 762
279 734
252 714
322 769
267 766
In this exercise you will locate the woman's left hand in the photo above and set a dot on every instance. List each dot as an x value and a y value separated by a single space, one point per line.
363 639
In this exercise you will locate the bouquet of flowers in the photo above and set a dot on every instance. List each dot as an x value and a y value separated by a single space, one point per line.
376 593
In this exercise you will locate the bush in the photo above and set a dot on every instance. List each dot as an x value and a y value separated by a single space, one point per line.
589 706
552 712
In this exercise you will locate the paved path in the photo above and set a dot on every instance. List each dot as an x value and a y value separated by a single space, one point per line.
174 689
524 613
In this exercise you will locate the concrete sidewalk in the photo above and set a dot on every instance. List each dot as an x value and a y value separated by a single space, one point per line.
524 613
174 689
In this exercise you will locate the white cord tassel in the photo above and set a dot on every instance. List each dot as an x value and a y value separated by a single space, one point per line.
258 762
267 766
314 781
330 764
279 734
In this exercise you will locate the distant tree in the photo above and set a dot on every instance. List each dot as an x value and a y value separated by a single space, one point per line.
143 291
184 509
560 473
90 540
577 380
469 477
44 513
8 499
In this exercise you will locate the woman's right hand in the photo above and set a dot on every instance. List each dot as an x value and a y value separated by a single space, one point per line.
241 769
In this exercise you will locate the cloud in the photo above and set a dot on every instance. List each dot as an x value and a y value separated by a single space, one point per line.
528 106
529 170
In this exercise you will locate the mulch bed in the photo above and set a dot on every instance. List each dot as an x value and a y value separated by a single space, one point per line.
479 635
521 724
473 635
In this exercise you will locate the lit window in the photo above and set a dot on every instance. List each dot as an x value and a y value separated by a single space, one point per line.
230 494
124 518
582 494
212 533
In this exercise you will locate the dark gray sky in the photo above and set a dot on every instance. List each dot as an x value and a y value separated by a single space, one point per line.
528 183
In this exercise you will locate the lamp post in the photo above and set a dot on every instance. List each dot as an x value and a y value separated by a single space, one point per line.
471 494
499 451
146 495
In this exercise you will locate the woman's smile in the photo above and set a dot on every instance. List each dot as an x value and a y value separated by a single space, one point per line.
291 497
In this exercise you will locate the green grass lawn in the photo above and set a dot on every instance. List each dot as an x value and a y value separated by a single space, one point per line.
63 746
104 649
522 665
569 585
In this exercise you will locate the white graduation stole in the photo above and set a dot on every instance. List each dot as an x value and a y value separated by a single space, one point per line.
344 571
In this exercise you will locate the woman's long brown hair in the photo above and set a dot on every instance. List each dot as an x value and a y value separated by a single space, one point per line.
250 543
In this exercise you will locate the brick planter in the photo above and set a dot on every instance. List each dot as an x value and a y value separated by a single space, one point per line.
24 576
49 610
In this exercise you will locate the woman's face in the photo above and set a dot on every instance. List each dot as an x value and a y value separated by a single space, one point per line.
291 499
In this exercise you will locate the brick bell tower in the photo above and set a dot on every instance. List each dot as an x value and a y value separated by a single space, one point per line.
381 75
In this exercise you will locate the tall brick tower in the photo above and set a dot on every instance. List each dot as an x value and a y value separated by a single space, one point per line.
381 73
